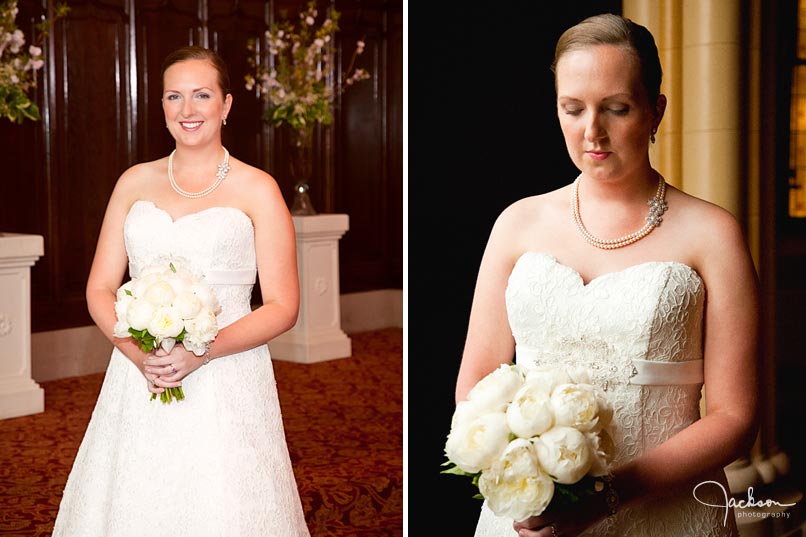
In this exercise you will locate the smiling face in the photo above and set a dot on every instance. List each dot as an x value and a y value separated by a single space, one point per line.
194 102
604 111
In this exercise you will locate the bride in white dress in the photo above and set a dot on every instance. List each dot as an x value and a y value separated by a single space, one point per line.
654 312
215 463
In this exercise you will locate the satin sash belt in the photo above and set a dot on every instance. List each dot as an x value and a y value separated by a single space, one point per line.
218 277
645 372
652 373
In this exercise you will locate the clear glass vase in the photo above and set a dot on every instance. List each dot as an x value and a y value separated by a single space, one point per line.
300 152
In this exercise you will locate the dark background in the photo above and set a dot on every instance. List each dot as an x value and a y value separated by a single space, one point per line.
482 133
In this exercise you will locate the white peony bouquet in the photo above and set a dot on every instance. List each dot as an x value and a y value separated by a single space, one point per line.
164 305
531 439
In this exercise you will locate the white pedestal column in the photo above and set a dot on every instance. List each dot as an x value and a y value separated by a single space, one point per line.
317 336
19 394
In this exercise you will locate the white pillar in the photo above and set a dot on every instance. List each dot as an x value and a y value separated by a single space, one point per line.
19 394
317 336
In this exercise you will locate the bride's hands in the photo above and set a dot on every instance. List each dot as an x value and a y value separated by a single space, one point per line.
549 527
555 526
170 368
133 352
564 524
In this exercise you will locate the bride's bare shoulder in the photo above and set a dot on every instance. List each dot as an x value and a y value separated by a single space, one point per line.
699 214
535 209
527 222
144 172
137 182
711 230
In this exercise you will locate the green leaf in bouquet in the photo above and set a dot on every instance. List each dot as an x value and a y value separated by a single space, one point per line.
566 496
128 292
173 268
143 338
455 470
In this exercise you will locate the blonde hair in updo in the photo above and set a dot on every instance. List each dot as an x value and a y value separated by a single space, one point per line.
610 29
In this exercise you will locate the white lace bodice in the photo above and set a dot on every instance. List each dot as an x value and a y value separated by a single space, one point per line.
639 333
652 311
218 243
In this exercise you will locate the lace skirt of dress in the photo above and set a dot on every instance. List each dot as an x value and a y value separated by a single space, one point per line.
214 464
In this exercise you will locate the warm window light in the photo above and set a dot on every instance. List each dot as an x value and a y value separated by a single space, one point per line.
797 126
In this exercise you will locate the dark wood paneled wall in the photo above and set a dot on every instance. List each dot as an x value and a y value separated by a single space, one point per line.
100 101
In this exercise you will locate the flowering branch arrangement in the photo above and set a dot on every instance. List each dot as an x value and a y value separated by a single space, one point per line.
296 83
18 64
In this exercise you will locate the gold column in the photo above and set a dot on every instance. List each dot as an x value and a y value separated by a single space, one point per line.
664 20
711 98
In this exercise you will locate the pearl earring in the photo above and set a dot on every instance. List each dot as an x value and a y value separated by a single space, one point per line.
225 121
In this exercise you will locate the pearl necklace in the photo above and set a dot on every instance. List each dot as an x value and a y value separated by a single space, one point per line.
657 206
223 169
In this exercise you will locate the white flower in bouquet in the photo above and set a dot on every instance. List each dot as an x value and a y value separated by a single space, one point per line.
180 283
564 453
580 406
165 324
529 414
515 485
124 292
143 282
548 377
473 446
187 304
464 413
552 376
206 296
124 298
159 293
578 375
495 391
602 450
121 328
139 314
200 330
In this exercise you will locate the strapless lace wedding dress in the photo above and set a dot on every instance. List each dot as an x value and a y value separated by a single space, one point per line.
213 465
639 334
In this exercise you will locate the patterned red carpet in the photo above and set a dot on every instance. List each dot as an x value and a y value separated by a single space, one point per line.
344 425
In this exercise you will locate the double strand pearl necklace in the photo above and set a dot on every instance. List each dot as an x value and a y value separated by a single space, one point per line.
223 169
657 206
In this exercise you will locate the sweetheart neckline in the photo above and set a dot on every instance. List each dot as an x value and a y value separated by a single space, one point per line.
611 273
188 215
